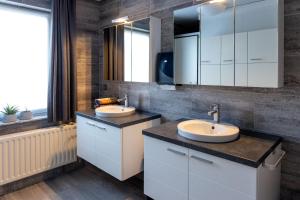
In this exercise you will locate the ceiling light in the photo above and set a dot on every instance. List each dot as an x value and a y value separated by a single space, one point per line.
120 20
217 1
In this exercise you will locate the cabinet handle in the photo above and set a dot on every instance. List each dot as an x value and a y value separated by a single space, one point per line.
99 127
256 59
176 152
227 60
90 123
205 61
94 125
202 160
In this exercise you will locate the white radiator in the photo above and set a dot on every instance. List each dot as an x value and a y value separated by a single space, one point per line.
28 153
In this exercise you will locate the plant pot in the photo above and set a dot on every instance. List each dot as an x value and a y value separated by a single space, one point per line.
25 115
10 118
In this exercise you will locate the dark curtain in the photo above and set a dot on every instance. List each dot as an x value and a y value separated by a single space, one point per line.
114 53
62 78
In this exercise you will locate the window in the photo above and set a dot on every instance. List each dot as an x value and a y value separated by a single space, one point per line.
24 58
137 43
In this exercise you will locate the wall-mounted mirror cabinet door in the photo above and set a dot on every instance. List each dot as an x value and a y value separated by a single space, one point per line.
204 44
130 50
186 45
113 58
136 51
217 43
260 23
240 43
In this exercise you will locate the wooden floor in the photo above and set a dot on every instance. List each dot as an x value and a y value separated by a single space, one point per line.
87 183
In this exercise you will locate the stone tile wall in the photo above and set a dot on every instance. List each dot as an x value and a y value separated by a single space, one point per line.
275 111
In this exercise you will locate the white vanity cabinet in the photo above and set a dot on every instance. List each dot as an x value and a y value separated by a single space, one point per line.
117 151
175 172
165 170
215 178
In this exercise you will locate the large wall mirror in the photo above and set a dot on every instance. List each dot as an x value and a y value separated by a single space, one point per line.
128 51
229 43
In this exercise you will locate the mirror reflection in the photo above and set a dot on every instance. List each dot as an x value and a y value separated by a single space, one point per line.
126 52
217 43
257 37
229 43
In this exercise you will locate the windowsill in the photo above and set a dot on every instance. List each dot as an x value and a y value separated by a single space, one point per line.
37 118
37 122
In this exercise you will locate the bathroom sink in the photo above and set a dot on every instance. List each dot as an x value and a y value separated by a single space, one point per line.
206 131
114 111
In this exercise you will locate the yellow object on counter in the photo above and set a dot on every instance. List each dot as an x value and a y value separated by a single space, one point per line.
106 101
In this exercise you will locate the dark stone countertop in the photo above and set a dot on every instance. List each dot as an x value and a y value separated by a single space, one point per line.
120 122
251 148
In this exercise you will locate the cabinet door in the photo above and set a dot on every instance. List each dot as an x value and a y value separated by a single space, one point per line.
186 60
263 75
227 53
216 178
210 50
108 149
165 170
210 75
241 48
86 145
227 74
263 46
241 75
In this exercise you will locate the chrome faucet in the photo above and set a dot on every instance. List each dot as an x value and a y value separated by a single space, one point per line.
125 99
215 112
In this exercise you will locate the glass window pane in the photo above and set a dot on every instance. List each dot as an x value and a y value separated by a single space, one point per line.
24 52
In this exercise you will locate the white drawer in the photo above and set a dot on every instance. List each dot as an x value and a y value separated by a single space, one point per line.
217 171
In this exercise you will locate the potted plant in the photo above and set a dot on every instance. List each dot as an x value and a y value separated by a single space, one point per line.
10 114
25 115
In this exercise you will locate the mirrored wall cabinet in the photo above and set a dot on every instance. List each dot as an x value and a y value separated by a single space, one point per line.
230 43
130 50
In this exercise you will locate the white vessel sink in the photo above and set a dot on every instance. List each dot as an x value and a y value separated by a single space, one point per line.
114 111
205 131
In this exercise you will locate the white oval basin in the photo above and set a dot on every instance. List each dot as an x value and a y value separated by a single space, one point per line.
205 131
114 111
